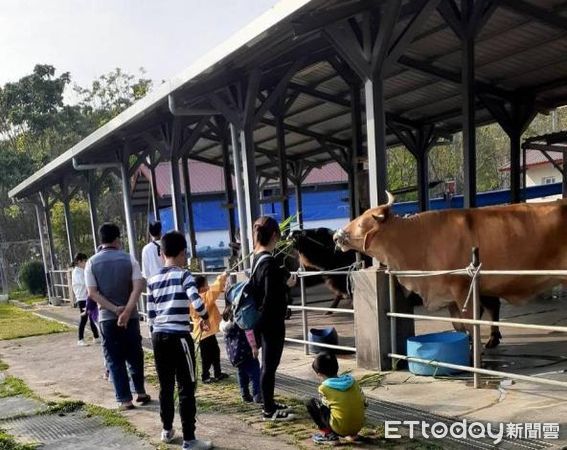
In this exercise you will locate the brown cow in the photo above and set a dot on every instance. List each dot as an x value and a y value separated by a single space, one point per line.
512 237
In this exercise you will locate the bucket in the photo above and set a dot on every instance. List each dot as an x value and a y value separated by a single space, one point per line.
322 336
449 347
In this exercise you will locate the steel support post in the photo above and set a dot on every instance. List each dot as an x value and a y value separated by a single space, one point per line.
515 166
299 201
250 183
50 241
280 137
92 201
68 220
376 139
477 344
128 214
155 195
189 208
423 181
468 93
355 151
43 254
176 203
229 192
245 246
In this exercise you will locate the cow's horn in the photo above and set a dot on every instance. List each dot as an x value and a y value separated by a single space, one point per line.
390 199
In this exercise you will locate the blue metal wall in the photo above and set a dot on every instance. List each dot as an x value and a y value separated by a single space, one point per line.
210 215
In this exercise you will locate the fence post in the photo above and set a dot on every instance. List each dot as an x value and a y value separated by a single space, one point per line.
393 320
304 313
70 286
476 316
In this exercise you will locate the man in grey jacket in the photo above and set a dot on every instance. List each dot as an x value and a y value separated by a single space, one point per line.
115 282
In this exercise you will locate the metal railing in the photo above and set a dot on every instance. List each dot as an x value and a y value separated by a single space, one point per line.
62 286
475 272
302 307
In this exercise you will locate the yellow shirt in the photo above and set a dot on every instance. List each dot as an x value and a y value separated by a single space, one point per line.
343 396
209 299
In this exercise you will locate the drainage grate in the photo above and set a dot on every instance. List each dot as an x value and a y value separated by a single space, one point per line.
51 428
382 410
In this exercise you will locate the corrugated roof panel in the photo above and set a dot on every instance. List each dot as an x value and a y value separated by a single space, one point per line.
404 81
317 114
335 85
539 57
423 96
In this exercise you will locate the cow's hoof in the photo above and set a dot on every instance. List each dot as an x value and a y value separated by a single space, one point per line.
493 342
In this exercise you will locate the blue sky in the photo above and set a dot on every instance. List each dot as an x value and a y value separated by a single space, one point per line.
91 37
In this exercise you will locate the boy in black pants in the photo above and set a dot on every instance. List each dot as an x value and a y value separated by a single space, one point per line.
171 293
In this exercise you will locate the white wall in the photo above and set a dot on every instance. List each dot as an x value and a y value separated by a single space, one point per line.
535 176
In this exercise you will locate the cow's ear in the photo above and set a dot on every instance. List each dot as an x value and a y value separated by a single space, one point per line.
382 215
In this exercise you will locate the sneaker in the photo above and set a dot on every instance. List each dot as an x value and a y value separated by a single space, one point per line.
247 398
325 438
82 343
207 381
281 407
97 341
143 399
258 399
196 444
167 435
220 377
125 406
279 415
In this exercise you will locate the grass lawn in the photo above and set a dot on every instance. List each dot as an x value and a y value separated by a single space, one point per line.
17 323
27 298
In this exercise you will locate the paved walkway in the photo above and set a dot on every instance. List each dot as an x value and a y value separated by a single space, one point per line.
56 369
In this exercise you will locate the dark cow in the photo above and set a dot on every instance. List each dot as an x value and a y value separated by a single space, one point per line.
317 251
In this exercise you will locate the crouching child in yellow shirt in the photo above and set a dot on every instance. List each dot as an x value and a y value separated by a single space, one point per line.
340 410
207 340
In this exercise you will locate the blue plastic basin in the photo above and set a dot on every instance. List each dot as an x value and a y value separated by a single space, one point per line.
450 347
322 336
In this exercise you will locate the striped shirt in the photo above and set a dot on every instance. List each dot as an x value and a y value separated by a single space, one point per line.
170 294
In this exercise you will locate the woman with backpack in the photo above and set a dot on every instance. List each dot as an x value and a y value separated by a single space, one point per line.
268 283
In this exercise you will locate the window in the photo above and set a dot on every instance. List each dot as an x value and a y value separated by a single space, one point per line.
548 180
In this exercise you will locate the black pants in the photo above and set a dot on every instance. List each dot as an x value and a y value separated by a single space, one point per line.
320 414
272 349
83 322
174 355
210 357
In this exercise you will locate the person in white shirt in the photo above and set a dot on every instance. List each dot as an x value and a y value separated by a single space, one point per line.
80 291
152 261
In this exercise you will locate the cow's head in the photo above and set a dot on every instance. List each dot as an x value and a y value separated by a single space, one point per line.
359 233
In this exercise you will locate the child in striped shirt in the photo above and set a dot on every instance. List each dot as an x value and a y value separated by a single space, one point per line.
171 293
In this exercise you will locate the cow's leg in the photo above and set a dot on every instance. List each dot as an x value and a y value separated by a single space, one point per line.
492 306
455 311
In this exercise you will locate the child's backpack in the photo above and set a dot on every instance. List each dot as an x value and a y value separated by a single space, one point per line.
237 348
240 296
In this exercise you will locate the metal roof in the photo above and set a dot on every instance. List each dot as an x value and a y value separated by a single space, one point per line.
521 49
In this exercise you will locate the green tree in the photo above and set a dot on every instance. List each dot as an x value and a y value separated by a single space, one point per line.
111 93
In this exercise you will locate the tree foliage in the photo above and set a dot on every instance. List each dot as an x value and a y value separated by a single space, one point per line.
37 125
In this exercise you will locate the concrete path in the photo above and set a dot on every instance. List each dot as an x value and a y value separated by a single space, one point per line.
56 369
